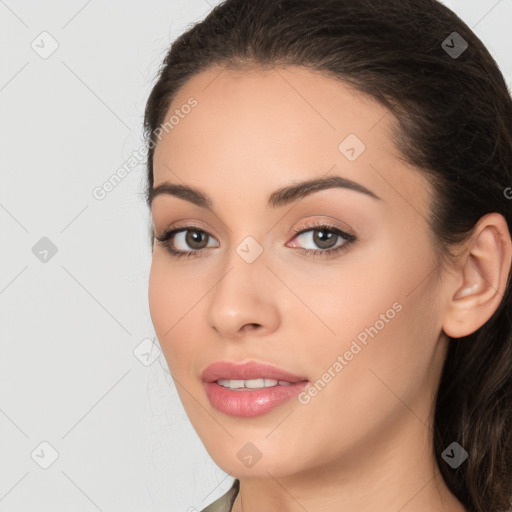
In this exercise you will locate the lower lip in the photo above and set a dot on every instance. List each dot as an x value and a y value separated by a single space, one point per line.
252 402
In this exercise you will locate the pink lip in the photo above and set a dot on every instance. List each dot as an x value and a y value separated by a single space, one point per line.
246 371
250 402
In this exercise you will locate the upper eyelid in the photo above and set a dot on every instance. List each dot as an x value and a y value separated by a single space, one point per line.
309 225
316 225
334 224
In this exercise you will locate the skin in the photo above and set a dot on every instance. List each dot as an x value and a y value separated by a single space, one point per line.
364 443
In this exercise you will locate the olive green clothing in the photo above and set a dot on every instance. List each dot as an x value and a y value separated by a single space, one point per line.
225 502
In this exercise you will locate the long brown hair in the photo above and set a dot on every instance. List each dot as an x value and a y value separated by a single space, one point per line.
454 123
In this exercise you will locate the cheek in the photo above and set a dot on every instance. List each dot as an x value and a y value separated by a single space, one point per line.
393 332
174 302
158 296
381 314
348 299
165 302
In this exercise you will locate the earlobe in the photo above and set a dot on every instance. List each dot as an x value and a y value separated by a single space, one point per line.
484 270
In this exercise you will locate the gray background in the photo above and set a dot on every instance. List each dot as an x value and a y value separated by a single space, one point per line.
78 368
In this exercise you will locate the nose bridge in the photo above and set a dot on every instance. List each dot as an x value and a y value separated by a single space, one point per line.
241 295
244 271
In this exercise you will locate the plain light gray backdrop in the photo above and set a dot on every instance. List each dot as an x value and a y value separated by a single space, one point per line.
89 417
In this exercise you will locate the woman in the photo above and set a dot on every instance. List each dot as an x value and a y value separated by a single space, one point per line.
329 184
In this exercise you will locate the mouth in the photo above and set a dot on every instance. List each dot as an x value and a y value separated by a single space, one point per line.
249 389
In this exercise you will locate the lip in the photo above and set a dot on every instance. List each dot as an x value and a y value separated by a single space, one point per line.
250 402
246 371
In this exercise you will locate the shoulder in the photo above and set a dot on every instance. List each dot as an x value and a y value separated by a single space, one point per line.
225 502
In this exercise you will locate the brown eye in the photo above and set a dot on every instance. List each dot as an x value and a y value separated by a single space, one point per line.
324 239
185 241
194 239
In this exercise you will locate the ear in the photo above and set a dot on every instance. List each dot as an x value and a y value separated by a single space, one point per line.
481 277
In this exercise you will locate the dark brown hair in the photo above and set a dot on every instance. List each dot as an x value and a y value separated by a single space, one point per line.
453 118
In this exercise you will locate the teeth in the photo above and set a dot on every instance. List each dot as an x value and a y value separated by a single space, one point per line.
252 383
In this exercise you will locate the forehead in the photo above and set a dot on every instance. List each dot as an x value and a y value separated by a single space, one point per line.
274 106
260 128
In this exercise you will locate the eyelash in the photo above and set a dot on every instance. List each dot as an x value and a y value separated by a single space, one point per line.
167 235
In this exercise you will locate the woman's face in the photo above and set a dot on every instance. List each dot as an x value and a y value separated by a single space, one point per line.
362 324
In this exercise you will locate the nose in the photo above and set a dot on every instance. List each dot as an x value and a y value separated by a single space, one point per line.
244 300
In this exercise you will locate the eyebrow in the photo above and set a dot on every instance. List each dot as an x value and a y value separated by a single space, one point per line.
279 198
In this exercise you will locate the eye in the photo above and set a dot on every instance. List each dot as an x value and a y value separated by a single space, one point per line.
190 240
328 239
176 241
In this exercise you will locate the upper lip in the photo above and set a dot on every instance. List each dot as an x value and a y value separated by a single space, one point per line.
245 371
